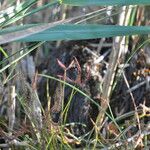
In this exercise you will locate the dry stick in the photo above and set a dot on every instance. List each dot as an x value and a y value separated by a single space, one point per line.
129 140
100 45
136 111
58 99
108 82
11 109
32 105
14 143
109 78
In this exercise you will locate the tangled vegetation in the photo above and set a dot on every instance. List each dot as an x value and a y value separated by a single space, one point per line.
74 74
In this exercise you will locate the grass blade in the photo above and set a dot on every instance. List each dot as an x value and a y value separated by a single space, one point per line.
105 3
71 32
14 13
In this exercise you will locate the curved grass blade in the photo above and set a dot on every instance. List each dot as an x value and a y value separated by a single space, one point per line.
105 3
81 92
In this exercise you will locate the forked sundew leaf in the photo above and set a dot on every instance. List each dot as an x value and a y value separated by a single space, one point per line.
61 64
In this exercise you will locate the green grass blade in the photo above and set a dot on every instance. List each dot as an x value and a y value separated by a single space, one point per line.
14 13
16 33
105 2
80 31
69 85
17 14
3 52
43 7
20 57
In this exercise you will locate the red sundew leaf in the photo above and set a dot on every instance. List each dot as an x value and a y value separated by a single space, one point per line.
61 64
71 64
